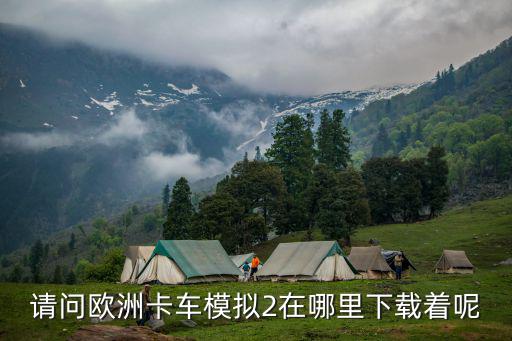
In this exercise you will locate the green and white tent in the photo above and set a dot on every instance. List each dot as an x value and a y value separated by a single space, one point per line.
136 259
308 261
188 261
239 260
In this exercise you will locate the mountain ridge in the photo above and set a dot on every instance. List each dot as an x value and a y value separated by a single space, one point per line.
85 131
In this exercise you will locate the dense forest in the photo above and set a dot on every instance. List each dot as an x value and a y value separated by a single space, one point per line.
398 160
467 111
307 181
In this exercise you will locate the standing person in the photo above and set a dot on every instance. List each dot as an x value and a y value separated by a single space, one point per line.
246 267
254 266
398 265
146 310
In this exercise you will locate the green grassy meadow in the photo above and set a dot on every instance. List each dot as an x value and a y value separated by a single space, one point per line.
483 230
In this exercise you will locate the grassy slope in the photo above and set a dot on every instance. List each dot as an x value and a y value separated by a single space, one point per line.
483 229
490 222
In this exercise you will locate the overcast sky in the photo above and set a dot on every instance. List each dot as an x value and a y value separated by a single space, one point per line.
296 47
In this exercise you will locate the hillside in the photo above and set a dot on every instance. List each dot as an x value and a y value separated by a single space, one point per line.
468 111
86 132
483 229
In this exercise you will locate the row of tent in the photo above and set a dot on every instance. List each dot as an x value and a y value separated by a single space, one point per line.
199 261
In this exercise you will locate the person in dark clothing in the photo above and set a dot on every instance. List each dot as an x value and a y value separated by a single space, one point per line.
146 310
398 265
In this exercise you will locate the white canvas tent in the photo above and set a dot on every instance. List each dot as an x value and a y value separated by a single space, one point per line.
370 262
136 258
454 262
188 261
308 261
240 259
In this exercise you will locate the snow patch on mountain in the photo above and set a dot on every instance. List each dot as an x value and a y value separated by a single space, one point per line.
192 91
164 102
361 99
346 100
110 102
147 92
263 125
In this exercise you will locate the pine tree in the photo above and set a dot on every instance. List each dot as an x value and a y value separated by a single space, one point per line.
180 211
382 143
166 193
70 277
437 185
16 274
388 107
450 79
336 202
324 139
72 241
57 275
418 132
258 156
36 260
340 141
293 152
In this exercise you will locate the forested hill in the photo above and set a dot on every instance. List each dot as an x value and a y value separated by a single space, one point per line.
468 111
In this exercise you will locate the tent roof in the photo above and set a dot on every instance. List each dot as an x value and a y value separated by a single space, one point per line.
368 258
301 258
454 259
240 259
197 258
133 252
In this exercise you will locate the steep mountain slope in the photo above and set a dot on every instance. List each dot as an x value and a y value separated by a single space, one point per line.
84 132
468 111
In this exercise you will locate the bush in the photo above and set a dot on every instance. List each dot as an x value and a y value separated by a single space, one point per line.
81 270
150 222
108 270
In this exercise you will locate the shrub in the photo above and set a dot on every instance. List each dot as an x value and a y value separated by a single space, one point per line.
108 270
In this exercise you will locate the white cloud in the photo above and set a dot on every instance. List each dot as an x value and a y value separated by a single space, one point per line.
164 166
240 119
127 127
37 141
283 46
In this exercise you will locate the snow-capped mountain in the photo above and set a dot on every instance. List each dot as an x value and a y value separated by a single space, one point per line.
85 131
348 100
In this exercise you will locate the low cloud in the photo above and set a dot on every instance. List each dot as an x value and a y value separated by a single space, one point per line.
299 47
240 120
37 141
127 127
163 167
162 154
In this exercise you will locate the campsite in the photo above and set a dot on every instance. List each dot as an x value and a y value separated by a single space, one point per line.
180 170
482 229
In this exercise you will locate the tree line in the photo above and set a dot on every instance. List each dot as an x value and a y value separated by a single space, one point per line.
307 181
465 110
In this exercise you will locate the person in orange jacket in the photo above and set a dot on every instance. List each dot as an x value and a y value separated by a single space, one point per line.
254 266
